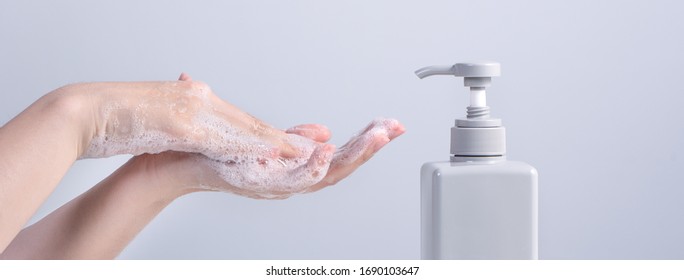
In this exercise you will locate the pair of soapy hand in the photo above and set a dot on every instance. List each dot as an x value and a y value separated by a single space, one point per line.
225 149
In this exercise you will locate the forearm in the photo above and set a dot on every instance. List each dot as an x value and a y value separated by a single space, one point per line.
38 147
102 221
40 144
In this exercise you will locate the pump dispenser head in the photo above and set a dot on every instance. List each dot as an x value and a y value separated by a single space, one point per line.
477 76
478 135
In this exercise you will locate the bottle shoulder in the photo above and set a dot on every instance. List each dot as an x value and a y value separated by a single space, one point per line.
506 166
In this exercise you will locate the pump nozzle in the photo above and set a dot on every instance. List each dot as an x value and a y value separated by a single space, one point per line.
435 70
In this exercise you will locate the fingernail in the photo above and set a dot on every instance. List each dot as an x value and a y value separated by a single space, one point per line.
396 131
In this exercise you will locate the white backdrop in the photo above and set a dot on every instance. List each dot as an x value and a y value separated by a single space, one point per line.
591 95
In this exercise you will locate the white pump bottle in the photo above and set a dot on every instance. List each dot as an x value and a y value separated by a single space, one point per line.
478 205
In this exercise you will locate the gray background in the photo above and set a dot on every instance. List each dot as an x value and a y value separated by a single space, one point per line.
591 94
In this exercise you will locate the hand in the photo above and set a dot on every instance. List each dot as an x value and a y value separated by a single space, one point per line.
281 177
185 116
152 117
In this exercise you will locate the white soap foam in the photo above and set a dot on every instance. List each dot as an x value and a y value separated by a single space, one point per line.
276 176
357 146
249 162
241 159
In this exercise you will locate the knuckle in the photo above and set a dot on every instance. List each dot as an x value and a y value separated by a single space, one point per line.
199 85
196 88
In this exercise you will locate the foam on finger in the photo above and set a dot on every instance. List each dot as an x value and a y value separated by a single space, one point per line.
181 118
360 143
277 175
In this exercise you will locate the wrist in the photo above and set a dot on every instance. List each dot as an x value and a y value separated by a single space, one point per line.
170 174
76 109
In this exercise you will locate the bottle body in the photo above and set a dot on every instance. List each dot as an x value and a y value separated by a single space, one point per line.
479 210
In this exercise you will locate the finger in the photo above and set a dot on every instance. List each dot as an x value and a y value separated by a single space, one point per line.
315 168
318 163
359 150
184 77
285 150
395 130
253 127
316 132
321 157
